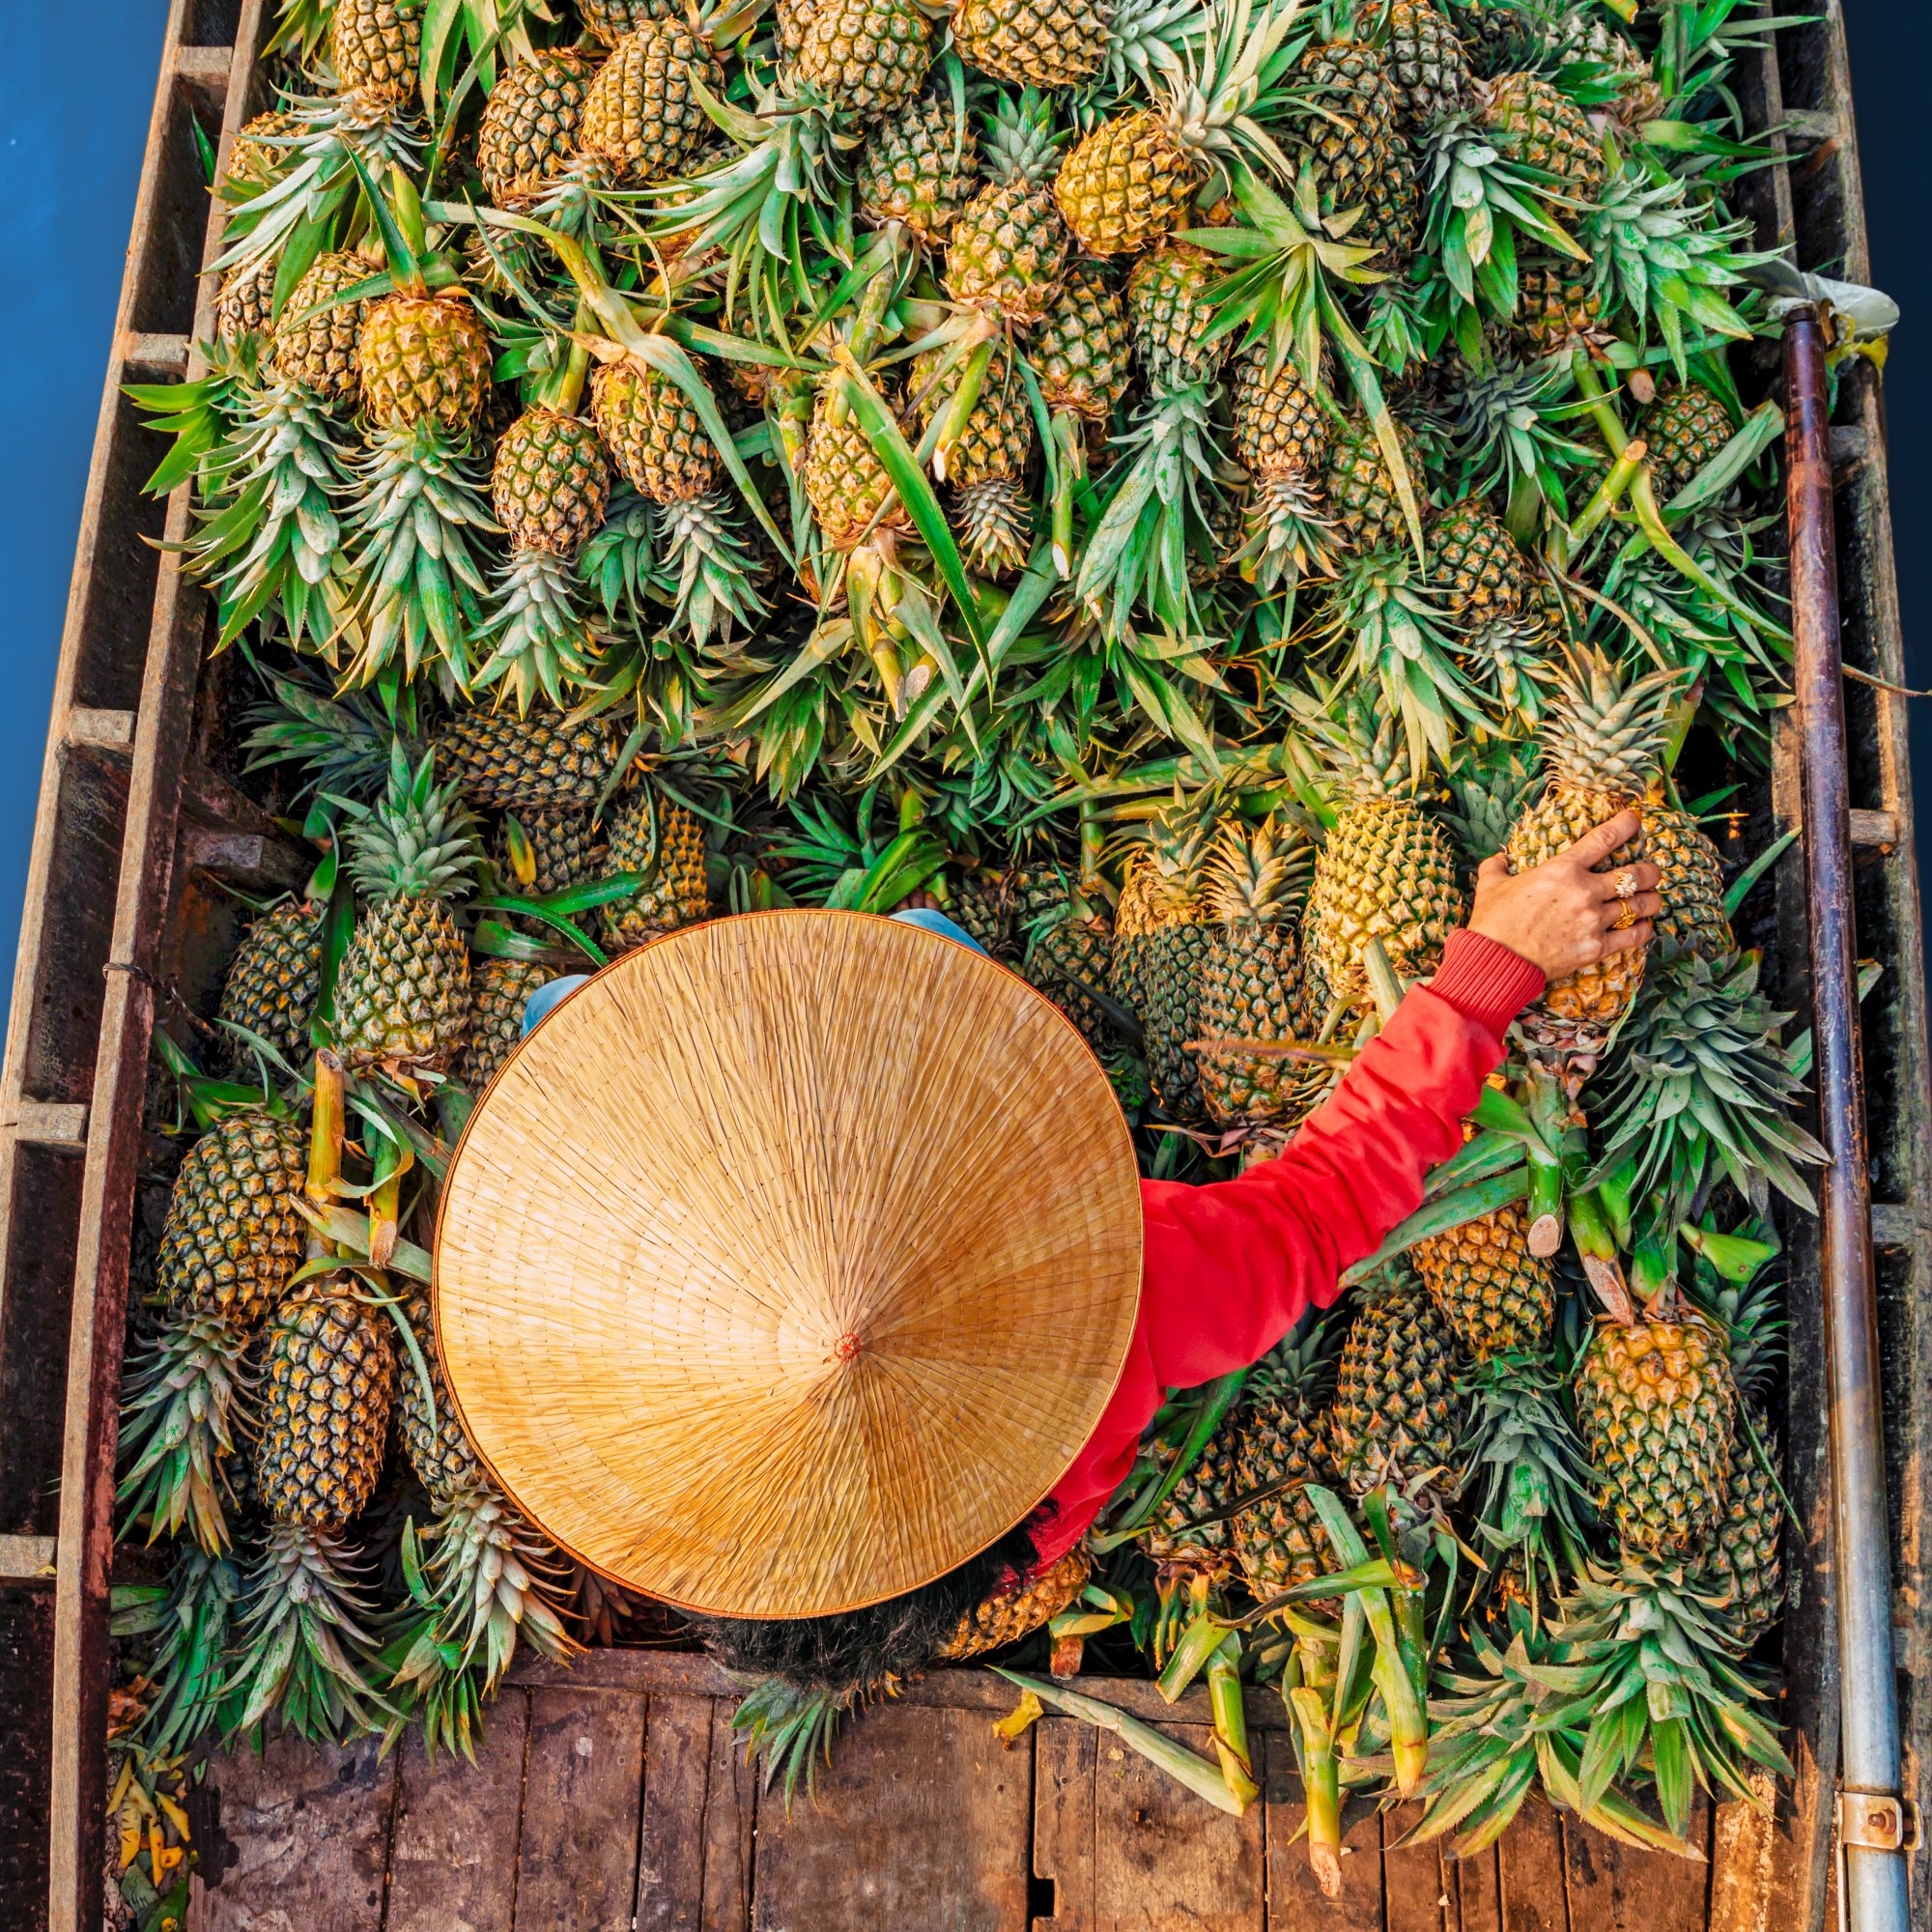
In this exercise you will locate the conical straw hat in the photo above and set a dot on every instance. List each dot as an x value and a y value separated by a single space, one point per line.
789 1262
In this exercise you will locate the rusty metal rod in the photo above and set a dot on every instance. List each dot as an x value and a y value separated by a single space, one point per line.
1875 1880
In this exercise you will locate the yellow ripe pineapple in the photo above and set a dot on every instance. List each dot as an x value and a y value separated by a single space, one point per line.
1058 44
1128 182
1010 1614
273 980
376 47
1600 744
1006 252
1282 440
1544 129
610 20
1657 1403
318 337
1386 871
424 359
261 151
499 991
402 996
1282 1447
848 488
865 56
1397 1412
1496 1295
665 842
1251 976
532 127
642 120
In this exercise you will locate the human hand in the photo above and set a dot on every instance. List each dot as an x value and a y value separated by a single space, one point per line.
1562 916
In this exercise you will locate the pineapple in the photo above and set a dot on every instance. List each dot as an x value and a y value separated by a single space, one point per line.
610 20
319 348
499 761
1007 249
1557 306
1279 1542
1657 1403
1495 1295
1190 1529
532 125
1548 131
1475 564
641 122
1600 744
439 1451
376 47
1684 429
1079 348
848 488
1282 442
1171 935
1396 1413
1361 489
233 1234
864 56
1740 1560
1691 886
1427 66
918 167
1007 1616
1251 976
1352 140
1386 871
326 1387
1056 44
551 486
539 853
402 996
1170 314
499 991
1129 182
425 361
985 463
261 149
665 842
246 302
274 977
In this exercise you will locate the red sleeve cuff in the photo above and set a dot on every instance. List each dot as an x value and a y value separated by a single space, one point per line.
1485 981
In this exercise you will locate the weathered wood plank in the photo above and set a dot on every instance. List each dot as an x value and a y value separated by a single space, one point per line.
1295 1901
1615 1888
1063 1820
670 1861
453 1851
922 1820
576 1868
1163 1857
730 1822
1476 1891
1420 1895
1533 1894
302 1838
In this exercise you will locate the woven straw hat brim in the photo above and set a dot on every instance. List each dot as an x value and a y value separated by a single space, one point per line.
789 1263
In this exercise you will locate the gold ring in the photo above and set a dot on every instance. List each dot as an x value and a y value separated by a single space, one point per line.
1626 918
1626 884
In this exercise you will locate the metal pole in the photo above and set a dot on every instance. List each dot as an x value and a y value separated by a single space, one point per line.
1870 1810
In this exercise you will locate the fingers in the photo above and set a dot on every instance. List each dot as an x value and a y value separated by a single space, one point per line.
1645 905
1628 940
1594 847
1496 866
1647 877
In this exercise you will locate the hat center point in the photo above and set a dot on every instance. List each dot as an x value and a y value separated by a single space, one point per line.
846 1347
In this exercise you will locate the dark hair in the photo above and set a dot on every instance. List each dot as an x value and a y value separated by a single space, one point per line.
856 1650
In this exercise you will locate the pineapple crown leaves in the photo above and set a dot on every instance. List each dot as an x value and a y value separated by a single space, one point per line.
1020 140
1703 1088
345 740
1219 87
1605 733
1258 874
1302 1363
1508 420
1346 751
419 841
1148 37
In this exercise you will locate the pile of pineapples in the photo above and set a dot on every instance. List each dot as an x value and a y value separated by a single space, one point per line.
1173 485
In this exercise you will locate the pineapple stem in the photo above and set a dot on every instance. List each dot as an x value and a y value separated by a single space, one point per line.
1068 464
325 1141
1321 1779
1602 413
1622 473
1230 1721
1650 520
1198 1644
958 411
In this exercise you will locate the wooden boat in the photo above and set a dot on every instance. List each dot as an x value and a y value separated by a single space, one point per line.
611 1795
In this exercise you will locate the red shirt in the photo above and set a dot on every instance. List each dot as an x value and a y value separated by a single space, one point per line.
1231 1266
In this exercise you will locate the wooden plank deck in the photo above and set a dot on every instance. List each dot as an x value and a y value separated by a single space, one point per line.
613 1796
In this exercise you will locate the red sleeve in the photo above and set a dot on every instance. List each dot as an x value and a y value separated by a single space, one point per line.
1232 1266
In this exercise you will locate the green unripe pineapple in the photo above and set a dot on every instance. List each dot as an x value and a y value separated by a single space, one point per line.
274 978
1397 1413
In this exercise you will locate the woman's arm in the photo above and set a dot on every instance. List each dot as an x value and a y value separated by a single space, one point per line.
1232 1266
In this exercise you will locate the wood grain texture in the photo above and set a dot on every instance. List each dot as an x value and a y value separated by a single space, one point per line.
1534 1898
301 1841
453 1852
1616 1888
1295 1901
731 1825
1063 1820
1162 1857
1420 1894
922 1819
577 1869
670 1861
